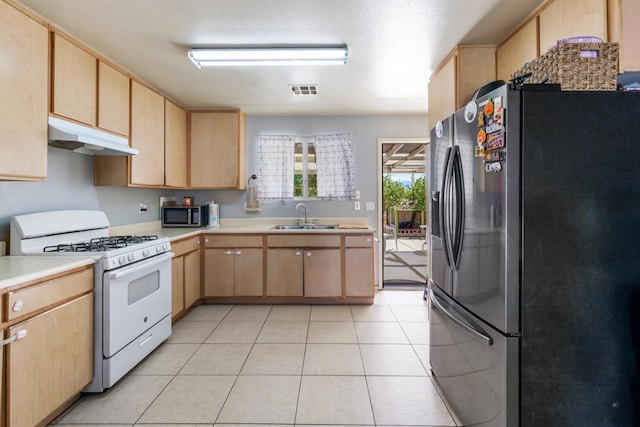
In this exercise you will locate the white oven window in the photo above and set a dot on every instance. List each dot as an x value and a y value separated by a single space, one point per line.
142 287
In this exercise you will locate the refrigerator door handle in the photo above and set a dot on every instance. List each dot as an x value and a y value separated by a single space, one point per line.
459 192
464 325
445 207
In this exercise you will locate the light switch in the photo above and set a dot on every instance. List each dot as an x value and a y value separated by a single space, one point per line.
371 206
357 194
357 206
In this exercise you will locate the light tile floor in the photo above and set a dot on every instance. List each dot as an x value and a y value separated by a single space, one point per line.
282 365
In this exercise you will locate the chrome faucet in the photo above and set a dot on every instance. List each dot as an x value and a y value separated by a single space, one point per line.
295 212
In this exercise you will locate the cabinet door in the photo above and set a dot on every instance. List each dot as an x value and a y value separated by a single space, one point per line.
113 99
52 363
572 18
175 146
284 272
442 92
24 59
216 150
218 272
322 273
191 278
520 48
177 285
74 80
358 268
249 269
147 135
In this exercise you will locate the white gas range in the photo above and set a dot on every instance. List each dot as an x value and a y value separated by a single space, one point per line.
132 285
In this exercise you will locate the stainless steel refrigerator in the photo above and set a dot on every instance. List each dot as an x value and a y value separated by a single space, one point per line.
535 287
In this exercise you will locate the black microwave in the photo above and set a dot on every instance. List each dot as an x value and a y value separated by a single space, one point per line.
184 216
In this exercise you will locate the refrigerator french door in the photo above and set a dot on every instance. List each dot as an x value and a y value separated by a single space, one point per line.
535 280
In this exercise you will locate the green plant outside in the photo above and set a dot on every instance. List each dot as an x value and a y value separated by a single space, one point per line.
396 196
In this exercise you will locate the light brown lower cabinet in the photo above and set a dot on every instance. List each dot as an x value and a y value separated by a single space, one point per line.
358 265
322 273
295 272
51 364
185 274
285 272
234 265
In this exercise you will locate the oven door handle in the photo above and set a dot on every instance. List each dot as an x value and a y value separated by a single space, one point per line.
146 264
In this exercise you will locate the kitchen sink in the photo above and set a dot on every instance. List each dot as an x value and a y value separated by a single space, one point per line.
304 227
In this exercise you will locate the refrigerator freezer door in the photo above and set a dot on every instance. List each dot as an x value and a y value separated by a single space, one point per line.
474 366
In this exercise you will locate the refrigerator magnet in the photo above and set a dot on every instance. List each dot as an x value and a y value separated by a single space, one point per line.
488 108
481 138
493 167
480 151
495 140
480 119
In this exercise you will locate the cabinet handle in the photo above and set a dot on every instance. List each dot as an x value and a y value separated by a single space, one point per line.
308 253
298 252
17 306
228 252
18 336
369 239
206 240
238 252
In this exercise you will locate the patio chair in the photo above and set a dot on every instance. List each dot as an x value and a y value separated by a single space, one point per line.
389 233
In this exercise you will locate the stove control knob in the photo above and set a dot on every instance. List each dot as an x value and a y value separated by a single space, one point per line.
145 252
158 249
122 259
131 257
165 246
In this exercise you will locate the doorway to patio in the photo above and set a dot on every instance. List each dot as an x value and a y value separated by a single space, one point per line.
402 215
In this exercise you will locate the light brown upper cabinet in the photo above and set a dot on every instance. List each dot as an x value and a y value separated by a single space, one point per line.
175 146
218 150
74 76
147 135
562 19
520 48
624 29
113 99
159 132
23 96
454 83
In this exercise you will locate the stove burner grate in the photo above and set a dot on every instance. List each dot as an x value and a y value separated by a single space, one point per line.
100 244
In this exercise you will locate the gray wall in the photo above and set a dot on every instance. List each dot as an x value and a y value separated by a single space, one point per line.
70 176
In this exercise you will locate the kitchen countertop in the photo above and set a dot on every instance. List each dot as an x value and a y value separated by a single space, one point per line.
240 225
15 270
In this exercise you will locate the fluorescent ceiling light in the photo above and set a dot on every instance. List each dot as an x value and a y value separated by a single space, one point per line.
226 56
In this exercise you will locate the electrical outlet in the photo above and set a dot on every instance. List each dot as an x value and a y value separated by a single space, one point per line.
142 208
357 206
371 206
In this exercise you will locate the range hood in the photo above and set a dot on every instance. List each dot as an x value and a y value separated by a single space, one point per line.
86 140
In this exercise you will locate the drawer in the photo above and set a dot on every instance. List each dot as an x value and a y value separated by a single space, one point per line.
233 241
358 241
185 246
303 241
31 299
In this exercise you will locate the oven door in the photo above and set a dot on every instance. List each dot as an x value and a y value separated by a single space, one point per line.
136 297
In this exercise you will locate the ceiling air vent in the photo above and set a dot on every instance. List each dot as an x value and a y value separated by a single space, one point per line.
304 90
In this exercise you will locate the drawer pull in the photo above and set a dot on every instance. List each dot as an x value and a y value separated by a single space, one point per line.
17 306
18 336
146 340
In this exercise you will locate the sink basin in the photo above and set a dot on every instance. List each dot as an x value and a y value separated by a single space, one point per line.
304 227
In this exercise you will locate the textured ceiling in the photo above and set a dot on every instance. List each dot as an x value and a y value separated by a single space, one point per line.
394 47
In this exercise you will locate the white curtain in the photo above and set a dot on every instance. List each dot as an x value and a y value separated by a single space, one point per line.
275 167
334 160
